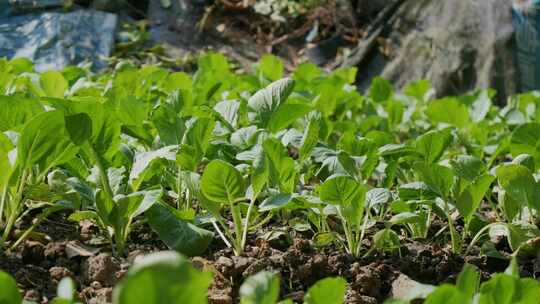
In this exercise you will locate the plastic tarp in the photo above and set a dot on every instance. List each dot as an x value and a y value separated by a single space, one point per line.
526 19
54 40
14 7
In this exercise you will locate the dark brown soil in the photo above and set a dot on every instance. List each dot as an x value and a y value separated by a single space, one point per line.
76 252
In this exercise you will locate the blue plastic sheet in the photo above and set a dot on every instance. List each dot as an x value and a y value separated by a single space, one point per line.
54 40
526 19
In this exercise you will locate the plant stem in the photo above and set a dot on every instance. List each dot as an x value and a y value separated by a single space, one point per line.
105 183
28 231
178 186
362 233
237 219
348 235
2 204
221 235
15 207
246 224
478 235
453 233
225 230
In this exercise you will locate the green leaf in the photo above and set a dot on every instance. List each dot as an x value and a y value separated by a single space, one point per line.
79 216
519 184
192 181
310 137
513 268
199 135
169 124
144 160
106 128
468 280
277 201
480 107
163 277
228 112
419 89
446 294
468 167
394 109
448 110
500 289
433 144
44 141
268 100
470 198
9 292
132 111
404 218
281 167
16 111
327 291
340 190
6 166
187 158
66 290
54 84
260 174
126 207
176 233
270 67
222 183
348 164
386 240
262 288
438 178
79 127
525 140
286 115
380 90
415 191
517 235
525 160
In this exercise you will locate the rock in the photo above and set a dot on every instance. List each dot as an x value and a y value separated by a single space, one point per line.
296 296
101 268
368 283
88 229
353 297
215 297
241 263
103 295
257 266
302 244
55 40
458 45
77 249
96 285
32 295
55 250
58 273
405 288
224 265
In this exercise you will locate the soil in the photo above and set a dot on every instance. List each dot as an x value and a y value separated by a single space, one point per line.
78 252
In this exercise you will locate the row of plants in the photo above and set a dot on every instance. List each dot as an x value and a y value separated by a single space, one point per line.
168 277
219 155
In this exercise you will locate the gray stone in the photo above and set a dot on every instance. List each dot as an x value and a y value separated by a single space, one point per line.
458 45
405 288
56 40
